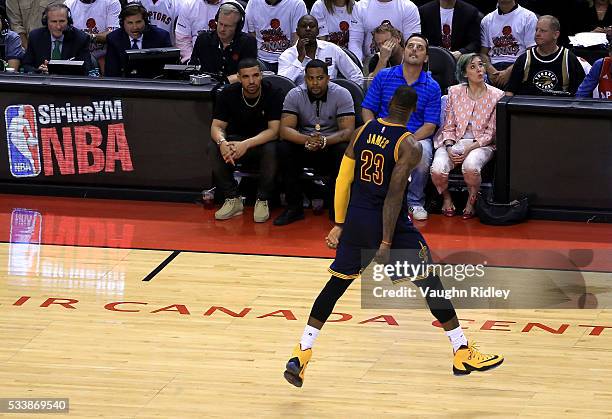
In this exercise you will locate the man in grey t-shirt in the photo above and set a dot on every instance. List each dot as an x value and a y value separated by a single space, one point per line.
316 124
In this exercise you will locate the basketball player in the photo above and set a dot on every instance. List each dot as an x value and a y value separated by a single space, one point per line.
376 216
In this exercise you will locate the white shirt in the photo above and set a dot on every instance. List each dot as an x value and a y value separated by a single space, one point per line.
138 41
163 14
194 17
97 17
273 25
446 24
61 43
508 35
336 26
336 59
402 14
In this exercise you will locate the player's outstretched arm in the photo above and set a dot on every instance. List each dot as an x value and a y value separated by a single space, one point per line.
409 157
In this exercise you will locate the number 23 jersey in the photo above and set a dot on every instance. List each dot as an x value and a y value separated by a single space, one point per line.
376 151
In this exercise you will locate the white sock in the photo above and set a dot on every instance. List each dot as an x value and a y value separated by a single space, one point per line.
309 336
457 338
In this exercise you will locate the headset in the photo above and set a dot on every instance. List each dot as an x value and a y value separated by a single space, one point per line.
240 8
45 18
135 5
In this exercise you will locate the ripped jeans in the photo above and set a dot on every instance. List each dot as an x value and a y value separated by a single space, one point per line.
471 166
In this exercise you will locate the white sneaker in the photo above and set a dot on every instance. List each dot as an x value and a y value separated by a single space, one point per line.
418 213
261 213
231 208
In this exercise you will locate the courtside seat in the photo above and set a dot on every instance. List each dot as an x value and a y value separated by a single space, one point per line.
442 66
353 57
280 82
356 93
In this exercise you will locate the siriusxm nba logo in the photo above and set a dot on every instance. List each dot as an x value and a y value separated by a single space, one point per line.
23 147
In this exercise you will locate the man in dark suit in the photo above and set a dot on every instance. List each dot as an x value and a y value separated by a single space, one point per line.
451 24
56 40
135 32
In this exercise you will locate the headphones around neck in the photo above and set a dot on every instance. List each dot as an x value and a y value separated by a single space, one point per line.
45 17
140 8
240 8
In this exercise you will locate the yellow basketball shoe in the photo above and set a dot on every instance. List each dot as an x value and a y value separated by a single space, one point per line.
296 366
469 358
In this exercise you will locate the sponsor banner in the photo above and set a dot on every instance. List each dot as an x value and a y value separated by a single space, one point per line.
80 140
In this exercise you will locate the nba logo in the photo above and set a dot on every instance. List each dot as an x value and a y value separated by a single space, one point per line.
23 148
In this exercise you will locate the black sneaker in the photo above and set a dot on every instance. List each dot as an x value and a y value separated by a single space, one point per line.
289 216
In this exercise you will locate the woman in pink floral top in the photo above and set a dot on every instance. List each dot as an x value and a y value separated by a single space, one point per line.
468 134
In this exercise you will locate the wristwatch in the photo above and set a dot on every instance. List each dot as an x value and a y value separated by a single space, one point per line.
222 140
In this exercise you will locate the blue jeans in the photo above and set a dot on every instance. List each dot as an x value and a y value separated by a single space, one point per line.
420 176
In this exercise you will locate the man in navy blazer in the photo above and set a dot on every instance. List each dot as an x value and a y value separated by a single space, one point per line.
57 39
135 32
461 36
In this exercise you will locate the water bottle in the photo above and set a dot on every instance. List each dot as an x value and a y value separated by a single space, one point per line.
457 149
208 198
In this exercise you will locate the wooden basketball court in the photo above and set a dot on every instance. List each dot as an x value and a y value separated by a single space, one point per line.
180 332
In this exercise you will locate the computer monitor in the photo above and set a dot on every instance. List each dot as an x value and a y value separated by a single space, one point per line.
149 63
67 67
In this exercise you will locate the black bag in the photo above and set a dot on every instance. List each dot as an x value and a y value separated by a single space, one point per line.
493 213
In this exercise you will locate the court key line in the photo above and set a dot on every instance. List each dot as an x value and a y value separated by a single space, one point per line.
162 265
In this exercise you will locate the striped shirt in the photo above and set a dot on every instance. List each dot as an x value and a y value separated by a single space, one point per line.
388 80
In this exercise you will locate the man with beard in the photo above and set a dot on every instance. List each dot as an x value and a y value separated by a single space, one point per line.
317 121
245 127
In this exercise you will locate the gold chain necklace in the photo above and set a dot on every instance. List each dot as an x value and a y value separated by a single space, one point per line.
247 103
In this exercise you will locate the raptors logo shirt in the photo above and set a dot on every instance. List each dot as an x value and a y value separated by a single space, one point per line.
97 17
402 14
163 14
559 73
336 25
273 25
195 17
508 35
446 23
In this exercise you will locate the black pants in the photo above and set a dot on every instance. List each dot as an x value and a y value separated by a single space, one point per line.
262 157
294 158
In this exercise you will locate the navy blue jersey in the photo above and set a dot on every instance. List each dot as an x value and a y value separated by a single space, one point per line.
376 152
